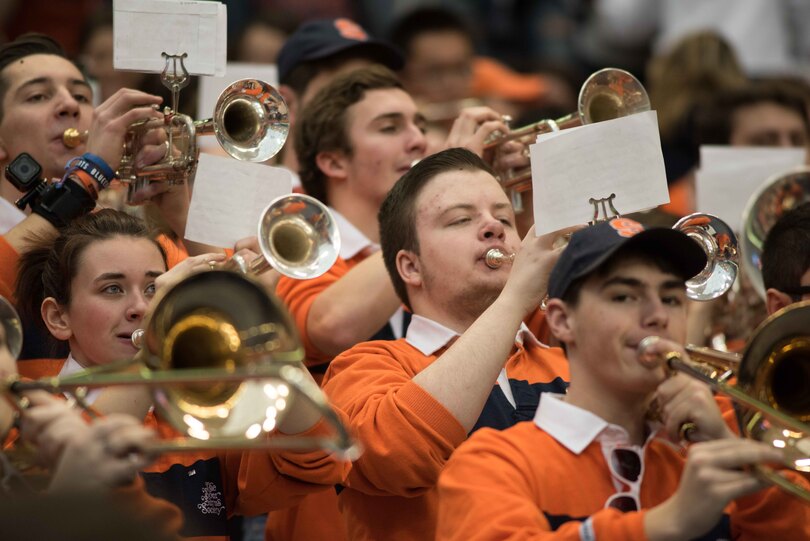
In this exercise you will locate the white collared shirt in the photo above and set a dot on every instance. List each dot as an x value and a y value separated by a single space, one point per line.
576 428
71 367
429 336
10 216
352 242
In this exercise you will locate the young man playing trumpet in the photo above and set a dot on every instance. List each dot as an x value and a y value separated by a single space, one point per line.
467 361
593 465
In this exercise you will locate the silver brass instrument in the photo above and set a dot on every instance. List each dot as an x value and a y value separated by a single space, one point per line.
714 236
12 327
719 243
607 94
772 387
780 194
250 122
224 364
298 237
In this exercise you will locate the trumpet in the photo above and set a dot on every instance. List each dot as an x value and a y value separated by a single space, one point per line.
777 196
250 122
607 94
223 362
714 236
771 388
297 236
719 243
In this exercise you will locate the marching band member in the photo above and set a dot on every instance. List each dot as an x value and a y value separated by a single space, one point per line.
92 286
591 465
413 400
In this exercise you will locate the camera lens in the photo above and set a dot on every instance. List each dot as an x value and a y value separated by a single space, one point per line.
25 169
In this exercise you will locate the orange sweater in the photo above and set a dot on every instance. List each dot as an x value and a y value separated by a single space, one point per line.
521 483
407 435
317 516
298 296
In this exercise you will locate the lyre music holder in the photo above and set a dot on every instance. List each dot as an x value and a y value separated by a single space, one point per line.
603 203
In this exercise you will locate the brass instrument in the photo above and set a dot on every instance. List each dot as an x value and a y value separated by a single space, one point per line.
250 122
224 363
777 196
714 236
297 236
719 243
607 94
771 388
12 327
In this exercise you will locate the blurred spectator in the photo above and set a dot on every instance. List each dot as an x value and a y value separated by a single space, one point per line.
442 68
96 57
261 40
769 36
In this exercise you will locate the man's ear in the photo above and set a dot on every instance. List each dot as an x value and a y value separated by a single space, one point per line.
560 320
333 164
409 268
56 319
776 300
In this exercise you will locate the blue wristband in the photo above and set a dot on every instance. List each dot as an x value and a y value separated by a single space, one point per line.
100 163
92 169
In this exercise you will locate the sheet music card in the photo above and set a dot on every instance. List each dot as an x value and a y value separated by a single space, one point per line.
729 176
228 198
621 157
143 29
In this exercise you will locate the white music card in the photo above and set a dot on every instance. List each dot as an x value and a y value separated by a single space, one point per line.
728 176
574 168
143 29
228 199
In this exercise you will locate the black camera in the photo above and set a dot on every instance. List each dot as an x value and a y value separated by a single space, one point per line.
24 172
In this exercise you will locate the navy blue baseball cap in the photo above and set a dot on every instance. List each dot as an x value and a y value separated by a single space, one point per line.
594 245
322 38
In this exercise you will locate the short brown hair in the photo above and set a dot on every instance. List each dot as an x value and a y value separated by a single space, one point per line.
322 126
25 45
397 214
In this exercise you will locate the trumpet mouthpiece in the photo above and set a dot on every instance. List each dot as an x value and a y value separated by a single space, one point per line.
137 338
72 137
496 258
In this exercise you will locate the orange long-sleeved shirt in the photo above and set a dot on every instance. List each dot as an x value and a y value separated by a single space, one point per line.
522 483
408 435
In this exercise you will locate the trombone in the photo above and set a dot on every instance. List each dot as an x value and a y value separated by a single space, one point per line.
250 122
297 236
606 94
223 362
772 376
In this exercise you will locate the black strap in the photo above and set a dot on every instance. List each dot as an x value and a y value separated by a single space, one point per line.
63 202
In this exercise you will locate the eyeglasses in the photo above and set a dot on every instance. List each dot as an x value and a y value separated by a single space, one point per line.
625 464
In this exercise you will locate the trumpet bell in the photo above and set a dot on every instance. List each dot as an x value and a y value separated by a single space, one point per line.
224 320
719 243
611 93
298 236
12 327
777 196
251 120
